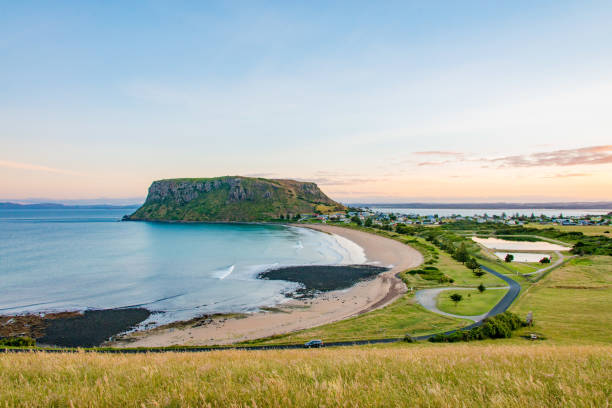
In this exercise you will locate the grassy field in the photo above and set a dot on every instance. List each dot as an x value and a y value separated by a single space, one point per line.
522 267
406 375
585 229
401 317
473 303
572 303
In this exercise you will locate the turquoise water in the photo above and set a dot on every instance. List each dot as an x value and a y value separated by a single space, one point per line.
55 260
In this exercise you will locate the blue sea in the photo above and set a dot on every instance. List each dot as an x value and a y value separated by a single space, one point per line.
58 260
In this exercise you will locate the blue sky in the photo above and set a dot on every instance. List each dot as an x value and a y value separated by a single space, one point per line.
389 102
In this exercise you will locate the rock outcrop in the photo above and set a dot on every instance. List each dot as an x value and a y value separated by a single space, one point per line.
231 198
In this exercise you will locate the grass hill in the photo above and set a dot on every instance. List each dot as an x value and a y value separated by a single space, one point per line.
232 198
457 375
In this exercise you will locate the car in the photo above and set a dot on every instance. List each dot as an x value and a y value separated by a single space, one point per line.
313 343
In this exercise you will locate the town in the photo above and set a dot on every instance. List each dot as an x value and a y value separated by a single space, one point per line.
371 217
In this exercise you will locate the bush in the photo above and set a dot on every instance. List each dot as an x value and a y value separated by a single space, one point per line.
496 327
17 342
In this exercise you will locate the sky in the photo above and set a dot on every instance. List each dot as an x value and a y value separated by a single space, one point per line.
375 101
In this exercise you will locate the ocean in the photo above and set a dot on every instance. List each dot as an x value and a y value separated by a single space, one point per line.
58 260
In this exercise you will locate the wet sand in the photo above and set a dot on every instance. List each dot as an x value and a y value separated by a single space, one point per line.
299 314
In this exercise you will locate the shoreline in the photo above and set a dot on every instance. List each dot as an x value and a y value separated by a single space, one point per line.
298 314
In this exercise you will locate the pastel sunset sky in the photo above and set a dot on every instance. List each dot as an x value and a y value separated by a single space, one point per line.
374 101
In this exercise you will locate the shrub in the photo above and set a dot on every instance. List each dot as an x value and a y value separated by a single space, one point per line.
17 342
496 327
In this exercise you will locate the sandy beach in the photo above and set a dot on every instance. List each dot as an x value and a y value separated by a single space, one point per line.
300 314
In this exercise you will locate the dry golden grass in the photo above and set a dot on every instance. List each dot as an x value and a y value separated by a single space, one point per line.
463 375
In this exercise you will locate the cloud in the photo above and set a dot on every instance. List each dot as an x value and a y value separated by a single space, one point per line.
439 153
567 175
33 167
435 163
592 155
570 157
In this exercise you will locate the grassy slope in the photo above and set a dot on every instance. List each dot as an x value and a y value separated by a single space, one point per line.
464 276
573 303
473 302
401 317
432 376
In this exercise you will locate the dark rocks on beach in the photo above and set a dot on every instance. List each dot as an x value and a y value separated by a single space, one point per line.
322 278
91 328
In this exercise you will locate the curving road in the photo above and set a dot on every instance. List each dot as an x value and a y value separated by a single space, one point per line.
514 288
428 299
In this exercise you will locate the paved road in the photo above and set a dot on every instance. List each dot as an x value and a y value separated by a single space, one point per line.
514 288
513 291
428 299
557 263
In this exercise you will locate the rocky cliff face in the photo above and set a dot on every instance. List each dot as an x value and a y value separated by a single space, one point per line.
231 199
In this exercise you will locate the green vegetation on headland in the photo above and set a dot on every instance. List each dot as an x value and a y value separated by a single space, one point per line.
232 198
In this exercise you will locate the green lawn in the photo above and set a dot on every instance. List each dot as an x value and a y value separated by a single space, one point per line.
573 302
473 302
522 267
401 317
585 229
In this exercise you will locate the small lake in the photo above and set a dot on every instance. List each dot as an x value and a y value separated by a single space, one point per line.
497 243
522 256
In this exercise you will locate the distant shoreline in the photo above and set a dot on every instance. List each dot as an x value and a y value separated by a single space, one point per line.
599 205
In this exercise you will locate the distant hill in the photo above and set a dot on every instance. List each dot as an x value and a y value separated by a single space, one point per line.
55 206
231 198
600 205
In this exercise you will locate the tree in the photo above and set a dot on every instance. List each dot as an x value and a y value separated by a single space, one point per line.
297 217
356 220
545 260
481 288
462 254
368 222
472 264
455 297
509 258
